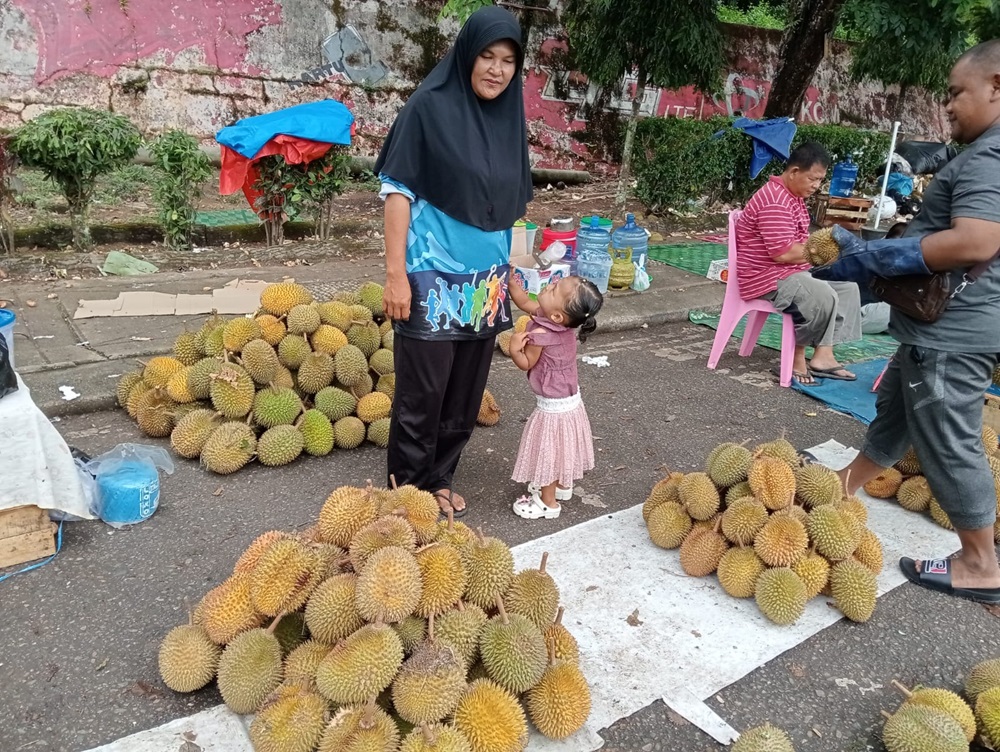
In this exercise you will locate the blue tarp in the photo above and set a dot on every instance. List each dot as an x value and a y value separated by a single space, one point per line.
327 121
771 138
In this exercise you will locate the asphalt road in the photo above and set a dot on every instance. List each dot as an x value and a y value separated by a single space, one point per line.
79 637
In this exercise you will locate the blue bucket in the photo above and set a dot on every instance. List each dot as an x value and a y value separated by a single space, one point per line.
7 320
129 493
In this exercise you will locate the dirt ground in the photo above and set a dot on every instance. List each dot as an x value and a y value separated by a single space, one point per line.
125 198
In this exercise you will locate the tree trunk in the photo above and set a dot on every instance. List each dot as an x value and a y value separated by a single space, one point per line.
904 89
624 175
800 53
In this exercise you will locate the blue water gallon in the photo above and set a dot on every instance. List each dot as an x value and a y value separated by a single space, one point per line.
845 175
129 492
593 259
632 236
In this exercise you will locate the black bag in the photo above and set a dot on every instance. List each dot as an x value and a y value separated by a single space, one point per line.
926 157
8 379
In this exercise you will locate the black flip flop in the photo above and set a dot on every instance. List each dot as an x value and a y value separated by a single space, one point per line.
831 373
935 575
455 513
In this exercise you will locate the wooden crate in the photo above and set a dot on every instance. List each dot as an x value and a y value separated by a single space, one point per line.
26 534
850 213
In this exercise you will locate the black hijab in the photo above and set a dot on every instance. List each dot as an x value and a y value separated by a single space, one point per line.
466 156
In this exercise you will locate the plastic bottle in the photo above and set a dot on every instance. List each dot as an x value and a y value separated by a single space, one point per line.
632 236
593 258
845 174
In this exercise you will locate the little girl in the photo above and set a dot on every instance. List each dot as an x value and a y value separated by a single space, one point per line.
556 446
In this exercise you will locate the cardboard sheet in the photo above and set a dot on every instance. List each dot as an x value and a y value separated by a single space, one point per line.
238 297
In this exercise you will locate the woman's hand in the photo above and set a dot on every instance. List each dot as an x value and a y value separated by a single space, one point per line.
396 298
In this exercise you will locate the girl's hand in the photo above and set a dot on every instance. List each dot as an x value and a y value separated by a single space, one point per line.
396 298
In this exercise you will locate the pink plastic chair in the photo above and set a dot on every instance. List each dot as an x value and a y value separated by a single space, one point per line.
734 308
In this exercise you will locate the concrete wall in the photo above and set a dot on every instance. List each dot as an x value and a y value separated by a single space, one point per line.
201 64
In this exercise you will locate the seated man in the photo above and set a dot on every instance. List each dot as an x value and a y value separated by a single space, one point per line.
770 237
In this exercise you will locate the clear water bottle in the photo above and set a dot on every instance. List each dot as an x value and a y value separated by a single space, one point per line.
593 258
845 174
632 236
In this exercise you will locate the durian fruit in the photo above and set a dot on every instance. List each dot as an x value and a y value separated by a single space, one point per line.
430 683
699 496
185 348
854 507
192 431
420 509
939 515
301 663
489 410
250 669
361 728
272 329
361 666
738 571
158 370
559 642
503 341
383 532
276 406
279 446
988 714
854 589
989 440
284 578
772 481
943 700
388 586
228 448
781 595
918 728
559 704
533 594
227 610
663 491
458 534
743 520
135 398
327 339
214 347
869 552
780 449
782 541
738 492
435 737
177 387
387 385
232 391
378 432
317 433
366 337
292 350
489 566
349 432
388 337
795 512
238 332
374 406
199 380
125 385
291 720
669 525
491 718
371 294
334 403
332 611
188 658
521 324
442 577
260 361
412 631
885 485
154 413
336 314
346 510
910 464
820 248
914 494
291 631
302 319
834 533
765 738
460 628
702 551
816 485
728 464
315 372
351 365
814 570
280 298
983 676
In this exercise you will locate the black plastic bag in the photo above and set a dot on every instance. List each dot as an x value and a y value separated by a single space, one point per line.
926 157
8 379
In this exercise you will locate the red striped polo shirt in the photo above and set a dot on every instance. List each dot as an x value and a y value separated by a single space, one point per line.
773 220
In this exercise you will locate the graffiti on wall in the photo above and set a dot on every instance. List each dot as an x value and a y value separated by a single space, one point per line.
99 36
348 57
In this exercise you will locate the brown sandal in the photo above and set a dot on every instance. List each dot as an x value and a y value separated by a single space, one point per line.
445 494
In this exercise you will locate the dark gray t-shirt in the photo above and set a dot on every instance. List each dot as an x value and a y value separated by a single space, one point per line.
968 187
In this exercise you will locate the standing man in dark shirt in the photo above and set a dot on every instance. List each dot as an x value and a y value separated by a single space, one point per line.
931 397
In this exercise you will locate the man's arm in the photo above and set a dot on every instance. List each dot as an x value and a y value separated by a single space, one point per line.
966 243
781 238
796 254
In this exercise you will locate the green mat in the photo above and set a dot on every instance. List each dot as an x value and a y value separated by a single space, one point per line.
691 257
224 217
869 347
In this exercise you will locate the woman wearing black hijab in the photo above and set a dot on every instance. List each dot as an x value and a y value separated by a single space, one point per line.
455 177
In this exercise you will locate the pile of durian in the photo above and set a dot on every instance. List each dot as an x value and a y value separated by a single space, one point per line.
906 484
383 629
938 720
772 528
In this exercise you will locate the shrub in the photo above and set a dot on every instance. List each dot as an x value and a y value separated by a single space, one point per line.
8 163
680 160
180 169
73 146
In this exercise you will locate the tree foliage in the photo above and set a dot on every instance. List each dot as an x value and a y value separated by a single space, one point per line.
180 168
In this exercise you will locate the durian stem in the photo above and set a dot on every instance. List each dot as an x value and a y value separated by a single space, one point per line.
461 605
368 720
479 534
545 558
429 736
887 715
451 519
551 647
902 688
430 628
501 611
559 615
274 624
392 480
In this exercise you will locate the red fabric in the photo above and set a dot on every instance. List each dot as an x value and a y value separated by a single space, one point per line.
238 172
772 222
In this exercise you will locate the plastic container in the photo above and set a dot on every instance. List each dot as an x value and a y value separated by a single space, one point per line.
604 223
593 254
845 175
7 321
568 238
595 269
530 230
631 236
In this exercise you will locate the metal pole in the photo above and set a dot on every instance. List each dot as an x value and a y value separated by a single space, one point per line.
885 178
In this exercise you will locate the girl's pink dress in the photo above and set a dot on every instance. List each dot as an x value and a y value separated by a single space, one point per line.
556 446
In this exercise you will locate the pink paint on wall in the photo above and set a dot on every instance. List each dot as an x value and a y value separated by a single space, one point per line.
98 36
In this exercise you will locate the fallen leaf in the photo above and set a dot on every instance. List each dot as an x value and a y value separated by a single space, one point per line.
189 747
144 689
811 415
30 303
101 665
696 633
51 296
593 500
633 619
798 670
677 719
591 588
995 610
217 492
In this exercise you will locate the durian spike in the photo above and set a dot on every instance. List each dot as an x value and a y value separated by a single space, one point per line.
902 688
502 611
545 558
559 615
